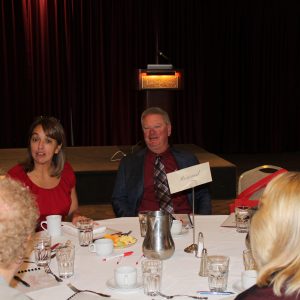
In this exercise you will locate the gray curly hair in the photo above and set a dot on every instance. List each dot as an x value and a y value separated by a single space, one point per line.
18 217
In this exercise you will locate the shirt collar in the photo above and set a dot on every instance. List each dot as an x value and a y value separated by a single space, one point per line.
163 154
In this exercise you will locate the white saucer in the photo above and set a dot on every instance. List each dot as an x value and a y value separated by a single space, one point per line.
112 285
183 232
237 286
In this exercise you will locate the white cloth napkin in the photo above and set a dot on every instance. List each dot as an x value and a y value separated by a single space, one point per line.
68 227
36 277
88 296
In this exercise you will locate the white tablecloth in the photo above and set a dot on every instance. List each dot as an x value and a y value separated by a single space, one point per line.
180 272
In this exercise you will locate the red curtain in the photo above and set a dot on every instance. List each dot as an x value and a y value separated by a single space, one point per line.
76 60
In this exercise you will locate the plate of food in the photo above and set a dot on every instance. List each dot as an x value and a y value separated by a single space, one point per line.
121 241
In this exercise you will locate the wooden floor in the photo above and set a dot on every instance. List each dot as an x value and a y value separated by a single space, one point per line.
105 211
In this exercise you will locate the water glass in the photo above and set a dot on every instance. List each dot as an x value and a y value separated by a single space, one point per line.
248 278
152 273
65 257
217 268
242 218
249 262
143 222
42 249
85 232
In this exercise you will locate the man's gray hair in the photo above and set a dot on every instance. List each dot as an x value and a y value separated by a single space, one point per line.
155 111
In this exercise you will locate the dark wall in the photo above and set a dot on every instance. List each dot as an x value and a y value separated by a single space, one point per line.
76 60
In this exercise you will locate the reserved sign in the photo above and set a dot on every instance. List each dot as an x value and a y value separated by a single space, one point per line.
189 177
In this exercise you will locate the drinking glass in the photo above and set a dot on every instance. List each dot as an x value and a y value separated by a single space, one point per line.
85 232
152 273
242 218
217 268
249 262
65 257
248 278
42 249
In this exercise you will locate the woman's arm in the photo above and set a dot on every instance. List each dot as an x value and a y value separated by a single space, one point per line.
74 213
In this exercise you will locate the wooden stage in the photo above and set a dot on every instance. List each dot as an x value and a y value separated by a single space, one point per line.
95 172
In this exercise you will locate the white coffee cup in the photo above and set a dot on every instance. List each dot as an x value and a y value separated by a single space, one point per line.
248 278
125 276
102 247
53 225
176 227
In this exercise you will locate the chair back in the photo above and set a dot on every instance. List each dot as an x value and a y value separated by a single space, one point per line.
252 184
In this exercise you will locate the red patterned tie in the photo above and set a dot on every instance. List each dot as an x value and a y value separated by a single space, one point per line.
161 186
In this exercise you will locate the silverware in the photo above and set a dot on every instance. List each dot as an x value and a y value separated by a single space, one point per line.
76 290
48 271
171 297
122 233
22 281
126 233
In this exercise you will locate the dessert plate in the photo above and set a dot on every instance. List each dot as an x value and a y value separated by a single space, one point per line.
112 285
128 245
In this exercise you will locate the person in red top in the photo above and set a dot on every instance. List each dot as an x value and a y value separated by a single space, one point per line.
45 171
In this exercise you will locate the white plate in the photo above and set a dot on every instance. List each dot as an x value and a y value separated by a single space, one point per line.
183 232
112 285
237 286
126 246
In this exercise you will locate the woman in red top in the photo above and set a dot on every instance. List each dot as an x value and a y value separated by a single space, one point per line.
45 171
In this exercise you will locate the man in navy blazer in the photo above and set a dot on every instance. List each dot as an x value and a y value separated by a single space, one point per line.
134 186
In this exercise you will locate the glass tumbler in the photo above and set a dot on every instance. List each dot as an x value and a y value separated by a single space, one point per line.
85 232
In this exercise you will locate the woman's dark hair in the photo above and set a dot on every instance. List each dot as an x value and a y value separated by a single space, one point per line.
54 130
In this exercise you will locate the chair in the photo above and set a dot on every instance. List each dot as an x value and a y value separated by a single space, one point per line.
252 184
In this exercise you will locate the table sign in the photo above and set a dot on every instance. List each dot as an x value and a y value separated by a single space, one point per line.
189 177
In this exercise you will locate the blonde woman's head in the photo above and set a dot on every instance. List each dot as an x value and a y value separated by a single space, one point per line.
275 235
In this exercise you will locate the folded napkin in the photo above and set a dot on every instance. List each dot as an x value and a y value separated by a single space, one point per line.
68 227
88 296
184 218
36 277
230 221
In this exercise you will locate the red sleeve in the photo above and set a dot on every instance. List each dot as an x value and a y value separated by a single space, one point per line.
17 172
68 175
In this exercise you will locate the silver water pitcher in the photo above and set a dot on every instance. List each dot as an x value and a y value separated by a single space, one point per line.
158 242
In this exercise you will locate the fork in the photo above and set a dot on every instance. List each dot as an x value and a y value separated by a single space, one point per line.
171 297
48 271
76 290
122 233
